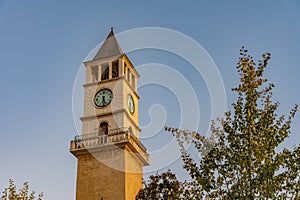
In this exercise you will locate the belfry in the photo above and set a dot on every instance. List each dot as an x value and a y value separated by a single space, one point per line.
110 156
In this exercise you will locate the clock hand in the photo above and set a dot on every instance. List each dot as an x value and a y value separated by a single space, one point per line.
103 100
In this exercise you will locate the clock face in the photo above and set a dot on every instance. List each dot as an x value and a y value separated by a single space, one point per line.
130 104
103 97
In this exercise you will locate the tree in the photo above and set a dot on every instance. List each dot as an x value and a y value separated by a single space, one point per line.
165 185
242 159
11 193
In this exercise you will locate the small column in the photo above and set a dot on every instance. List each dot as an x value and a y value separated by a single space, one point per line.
121 67
99 72
88 74
110 70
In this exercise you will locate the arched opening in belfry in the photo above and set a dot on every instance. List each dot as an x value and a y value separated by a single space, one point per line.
104 128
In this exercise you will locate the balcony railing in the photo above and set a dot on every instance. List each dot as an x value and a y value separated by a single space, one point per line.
114 137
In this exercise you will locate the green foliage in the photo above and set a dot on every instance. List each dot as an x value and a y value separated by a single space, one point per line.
11 193
162 186
242 158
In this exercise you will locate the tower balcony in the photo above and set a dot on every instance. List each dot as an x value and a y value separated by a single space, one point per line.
115 138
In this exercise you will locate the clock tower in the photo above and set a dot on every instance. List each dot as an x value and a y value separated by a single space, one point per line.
110 157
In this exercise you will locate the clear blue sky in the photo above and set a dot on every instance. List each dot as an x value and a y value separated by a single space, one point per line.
42 44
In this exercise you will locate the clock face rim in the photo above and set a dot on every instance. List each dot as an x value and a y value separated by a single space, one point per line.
94 99
130 98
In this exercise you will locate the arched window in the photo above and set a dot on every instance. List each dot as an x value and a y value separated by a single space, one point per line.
115 69
105 72
104 128
95 74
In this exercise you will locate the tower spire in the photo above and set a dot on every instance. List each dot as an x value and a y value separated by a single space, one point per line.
110 47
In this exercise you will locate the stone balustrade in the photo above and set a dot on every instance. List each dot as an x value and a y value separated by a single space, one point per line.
114 137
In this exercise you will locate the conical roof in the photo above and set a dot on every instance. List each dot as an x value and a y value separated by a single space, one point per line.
109 48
